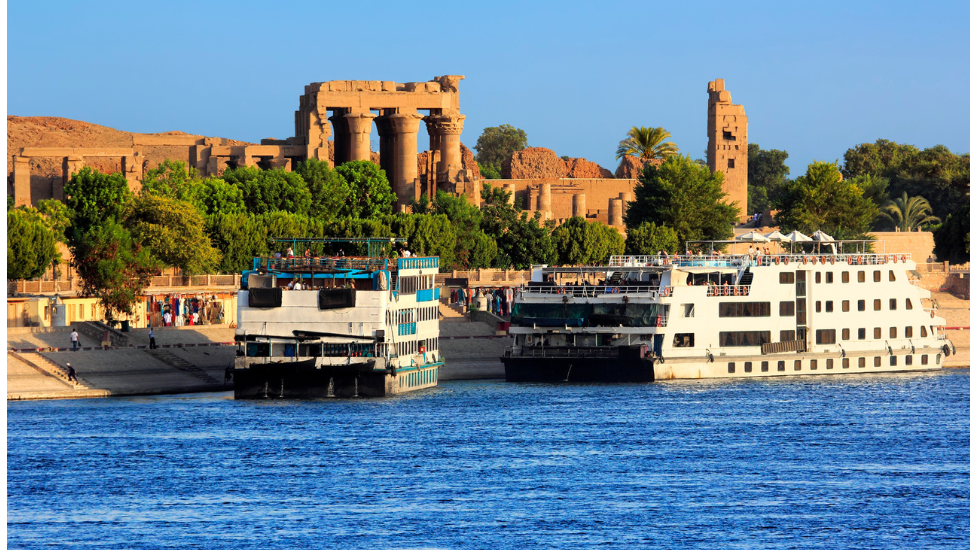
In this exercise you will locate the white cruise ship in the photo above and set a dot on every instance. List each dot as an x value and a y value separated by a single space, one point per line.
648 318
352 327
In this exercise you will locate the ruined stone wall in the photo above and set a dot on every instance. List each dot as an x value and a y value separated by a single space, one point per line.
918 243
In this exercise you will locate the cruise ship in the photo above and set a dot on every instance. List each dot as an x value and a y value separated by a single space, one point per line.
336 326
644 318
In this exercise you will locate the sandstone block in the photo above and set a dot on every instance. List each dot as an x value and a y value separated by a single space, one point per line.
534 163
582 168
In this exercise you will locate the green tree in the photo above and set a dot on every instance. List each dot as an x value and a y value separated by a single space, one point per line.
328 189
649 239
490 171
239 237
216 196
907 213
427 234
171 178
647 143
112 266
93 197
579 242
174 231
767 173
496 145
685 197
369 193
822 200
31 244
952 237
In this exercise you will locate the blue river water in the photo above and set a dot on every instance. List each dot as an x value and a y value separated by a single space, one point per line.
879 461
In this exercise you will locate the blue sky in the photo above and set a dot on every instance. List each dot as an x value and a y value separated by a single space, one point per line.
815 77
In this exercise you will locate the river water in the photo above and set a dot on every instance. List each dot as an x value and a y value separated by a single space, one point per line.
878 461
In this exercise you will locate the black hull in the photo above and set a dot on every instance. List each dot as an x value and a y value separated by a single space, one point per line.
302 380
578 369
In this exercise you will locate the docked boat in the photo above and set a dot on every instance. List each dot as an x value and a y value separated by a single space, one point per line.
644 318
335 326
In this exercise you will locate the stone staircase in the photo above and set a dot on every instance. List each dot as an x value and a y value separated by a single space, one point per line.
451 312
48 367
177 362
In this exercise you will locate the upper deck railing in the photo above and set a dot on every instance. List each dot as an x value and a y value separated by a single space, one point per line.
591 291
740 260
319 264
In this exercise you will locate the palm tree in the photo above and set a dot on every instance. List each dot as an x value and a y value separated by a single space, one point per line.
907 213
647 143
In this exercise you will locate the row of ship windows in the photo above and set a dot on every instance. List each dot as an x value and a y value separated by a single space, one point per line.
418 378
788 277
412 315
827 336
830 363
412 346
410 284
787 309
759 337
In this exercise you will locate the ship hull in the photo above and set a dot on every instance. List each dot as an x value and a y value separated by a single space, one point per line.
578 369
306 380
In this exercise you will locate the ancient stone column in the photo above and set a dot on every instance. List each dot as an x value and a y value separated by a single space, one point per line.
545 198
21 181
448 129
245 159
615 214
626 198
510 188
318 133
383 124
132 168
359 122
341 137
71 166
281 162
579 205
404 127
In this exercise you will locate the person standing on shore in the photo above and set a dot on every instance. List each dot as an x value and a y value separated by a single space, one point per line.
71 374
151 338
73 339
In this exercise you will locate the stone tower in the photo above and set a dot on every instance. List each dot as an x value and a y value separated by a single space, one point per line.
727 143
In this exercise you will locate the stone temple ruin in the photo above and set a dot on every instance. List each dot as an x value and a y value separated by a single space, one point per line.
334 123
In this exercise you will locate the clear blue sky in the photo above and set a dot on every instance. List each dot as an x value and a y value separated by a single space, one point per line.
815 77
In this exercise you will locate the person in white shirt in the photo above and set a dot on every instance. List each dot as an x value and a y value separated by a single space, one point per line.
167 317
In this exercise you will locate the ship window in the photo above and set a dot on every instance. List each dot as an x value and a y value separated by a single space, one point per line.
798 364
745 309
745 338
876 276
826 336
938 358
845 334
892 332
909 332
818 277
255 349
877 333
829 306
877 361
892 276
764 366
892 360
688 310
786 278
747 366
786 309
781 366
924 360
909 304
829 277
845 276
862 305
862 276
845 363
892 304
787 336
922 331
862 362
684 340
731 368
845 305
813 365
862 334
877 305
909 359
818 306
